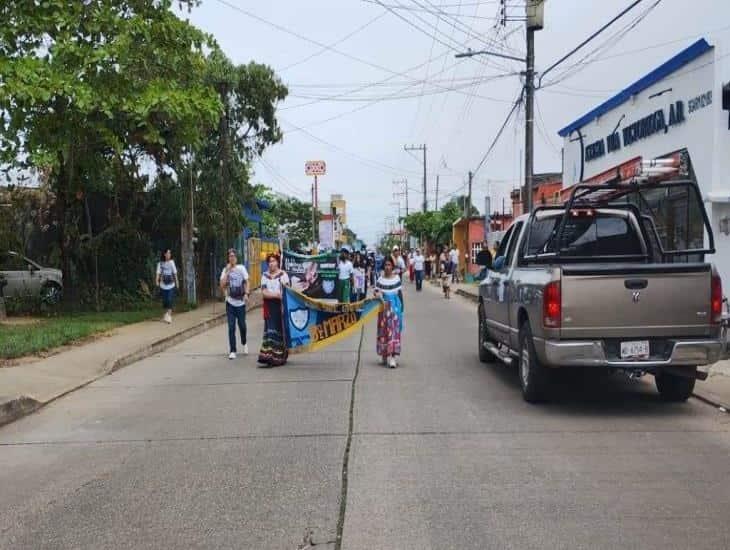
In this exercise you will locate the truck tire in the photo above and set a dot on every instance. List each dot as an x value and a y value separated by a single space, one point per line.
673 388
534 378
485 356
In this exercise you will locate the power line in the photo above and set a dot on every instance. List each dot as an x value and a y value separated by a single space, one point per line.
517 102
590 38
333 44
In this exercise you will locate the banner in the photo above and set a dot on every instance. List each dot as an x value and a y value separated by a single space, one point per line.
311 325
313 276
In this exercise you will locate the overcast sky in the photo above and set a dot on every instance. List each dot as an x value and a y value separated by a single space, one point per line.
377 72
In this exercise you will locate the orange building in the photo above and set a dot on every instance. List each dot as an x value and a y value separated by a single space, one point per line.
545 190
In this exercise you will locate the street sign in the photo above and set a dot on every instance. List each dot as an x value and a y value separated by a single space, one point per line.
315 168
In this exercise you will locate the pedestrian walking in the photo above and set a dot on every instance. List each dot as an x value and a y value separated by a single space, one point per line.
359 278
234 283
411 267
454 257
445 280
390 319
443 261
399 264
345 276
168 283
273 352
418 268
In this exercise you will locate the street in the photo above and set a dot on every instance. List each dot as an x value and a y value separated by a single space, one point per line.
187 449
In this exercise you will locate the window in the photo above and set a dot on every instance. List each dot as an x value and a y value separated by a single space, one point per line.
513 243
600 236
540 235
12 262
476 248
502 248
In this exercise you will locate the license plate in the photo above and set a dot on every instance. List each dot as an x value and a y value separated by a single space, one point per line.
635 350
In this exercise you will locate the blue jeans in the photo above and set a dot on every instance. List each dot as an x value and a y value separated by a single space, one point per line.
168 297
419 279
236 314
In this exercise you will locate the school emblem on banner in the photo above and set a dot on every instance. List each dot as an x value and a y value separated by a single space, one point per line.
313 324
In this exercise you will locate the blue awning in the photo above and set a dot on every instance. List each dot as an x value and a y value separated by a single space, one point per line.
675 63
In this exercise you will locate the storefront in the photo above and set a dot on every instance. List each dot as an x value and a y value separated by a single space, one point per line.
676 113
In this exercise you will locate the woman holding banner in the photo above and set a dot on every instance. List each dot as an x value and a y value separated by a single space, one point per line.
390 319
273 352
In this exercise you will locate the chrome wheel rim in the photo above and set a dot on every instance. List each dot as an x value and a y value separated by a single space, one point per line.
525 366
51 294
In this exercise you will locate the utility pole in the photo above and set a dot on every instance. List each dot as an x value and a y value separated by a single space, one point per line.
529 113
437 192
314 219
535 10
467 205
425 188
404 183
188 238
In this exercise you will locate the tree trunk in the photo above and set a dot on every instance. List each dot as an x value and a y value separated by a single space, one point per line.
61 207
3 313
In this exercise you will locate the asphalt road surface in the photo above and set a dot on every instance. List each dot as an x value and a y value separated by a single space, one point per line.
190 450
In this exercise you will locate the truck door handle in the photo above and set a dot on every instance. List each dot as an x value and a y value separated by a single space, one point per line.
636 284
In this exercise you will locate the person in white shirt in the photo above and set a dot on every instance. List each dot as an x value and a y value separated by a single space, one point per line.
399 264
234 283
168 283
454 259
346 273
419 265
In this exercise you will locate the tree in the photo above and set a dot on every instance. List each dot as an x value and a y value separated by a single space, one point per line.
245 127
287 213
91 91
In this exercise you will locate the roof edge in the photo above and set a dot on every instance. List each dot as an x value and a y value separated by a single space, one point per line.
675 63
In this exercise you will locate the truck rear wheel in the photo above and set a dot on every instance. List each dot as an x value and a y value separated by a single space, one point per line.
485 356
675 388
534 377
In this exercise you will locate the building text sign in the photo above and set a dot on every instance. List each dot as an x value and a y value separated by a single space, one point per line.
315 168
660 121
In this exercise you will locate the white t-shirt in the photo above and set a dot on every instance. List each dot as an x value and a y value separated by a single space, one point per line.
273 284
400 264
359 274
345 268
237 278
418 262
167 272
454 256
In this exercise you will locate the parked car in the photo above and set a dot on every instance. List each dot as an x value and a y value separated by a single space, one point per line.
614 279
23 276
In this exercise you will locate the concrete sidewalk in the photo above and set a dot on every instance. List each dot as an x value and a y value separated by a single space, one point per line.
27 387
714 391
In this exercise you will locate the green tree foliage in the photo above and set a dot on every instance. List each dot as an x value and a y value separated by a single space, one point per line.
287 213
91 90
245 127
436 226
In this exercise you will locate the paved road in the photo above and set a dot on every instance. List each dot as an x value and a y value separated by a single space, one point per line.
189 450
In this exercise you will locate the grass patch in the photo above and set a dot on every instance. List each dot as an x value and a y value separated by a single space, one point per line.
26 339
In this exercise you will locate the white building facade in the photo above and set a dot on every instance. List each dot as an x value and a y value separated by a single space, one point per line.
677 109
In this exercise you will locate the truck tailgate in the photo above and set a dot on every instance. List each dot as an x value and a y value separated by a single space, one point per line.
635 300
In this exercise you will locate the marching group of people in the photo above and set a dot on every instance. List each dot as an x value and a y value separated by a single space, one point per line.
356 275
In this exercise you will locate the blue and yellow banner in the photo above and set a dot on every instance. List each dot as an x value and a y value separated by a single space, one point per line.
312 324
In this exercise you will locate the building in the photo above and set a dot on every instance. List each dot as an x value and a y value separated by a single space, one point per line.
545 190
468 236
336 208
680 110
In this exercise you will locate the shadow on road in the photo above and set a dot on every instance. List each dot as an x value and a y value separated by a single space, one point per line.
595 392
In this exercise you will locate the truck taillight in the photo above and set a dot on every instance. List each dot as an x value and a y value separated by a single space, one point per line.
552 305
716 299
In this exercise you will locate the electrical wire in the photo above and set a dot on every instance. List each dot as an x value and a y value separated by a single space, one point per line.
517 102
333 44
543 131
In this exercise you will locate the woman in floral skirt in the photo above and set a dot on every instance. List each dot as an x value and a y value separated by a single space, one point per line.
390 319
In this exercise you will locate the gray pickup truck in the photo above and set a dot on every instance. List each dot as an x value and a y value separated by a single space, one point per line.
616 278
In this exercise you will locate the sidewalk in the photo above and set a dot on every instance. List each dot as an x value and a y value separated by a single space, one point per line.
714 391
27 387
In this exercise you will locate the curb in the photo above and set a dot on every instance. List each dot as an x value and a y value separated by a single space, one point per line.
21 406
468 295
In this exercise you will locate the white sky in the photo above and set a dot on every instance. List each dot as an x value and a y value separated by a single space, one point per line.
364 149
